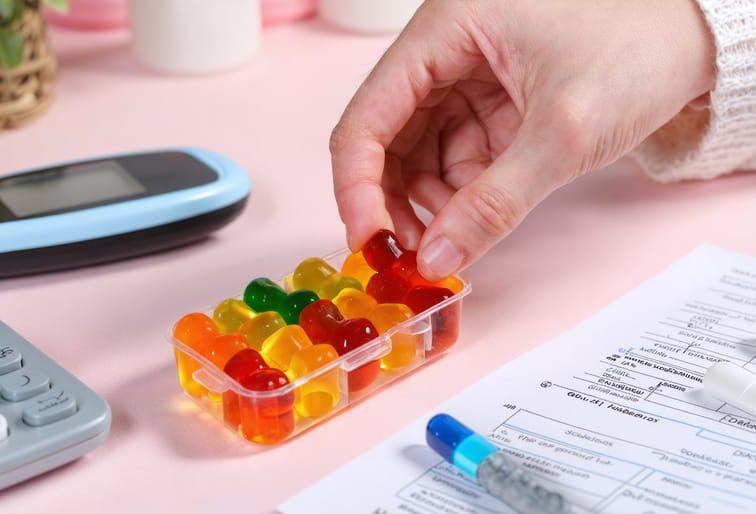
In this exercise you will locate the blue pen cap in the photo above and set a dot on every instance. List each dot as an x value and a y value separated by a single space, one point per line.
457 444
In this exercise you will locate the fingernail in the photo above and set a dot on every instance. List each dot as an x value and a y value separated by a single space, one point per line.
441 257
350 243
411 241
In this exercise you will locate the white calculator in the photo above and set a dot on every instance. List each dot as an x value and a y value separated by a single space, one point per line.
47 416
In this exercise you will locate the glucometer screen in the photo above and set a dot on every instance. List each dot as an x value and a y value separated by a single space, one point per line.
67 187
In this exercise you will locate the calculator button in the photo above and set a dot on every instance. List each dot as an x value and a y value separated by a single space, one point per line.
23 384
3 428
10 359
50 407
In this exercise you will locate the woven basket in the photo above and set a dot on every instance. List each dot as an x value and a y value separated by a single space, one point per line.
26 90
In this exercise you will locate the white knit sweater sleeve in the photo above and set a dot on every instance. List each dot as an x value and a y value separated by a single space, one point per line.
707 143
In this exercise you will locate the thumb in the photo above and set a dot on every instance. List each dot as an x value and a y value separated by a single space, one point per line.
487 209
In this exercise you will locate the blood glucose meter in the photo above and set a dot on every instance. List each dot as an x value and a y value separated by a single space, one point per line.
88 212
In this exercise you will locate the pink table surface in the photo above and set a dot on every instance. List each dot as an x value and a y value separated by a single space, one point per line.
580 249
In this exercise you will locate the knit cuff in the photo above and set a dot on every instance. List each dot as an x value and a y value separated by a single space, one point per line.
705 144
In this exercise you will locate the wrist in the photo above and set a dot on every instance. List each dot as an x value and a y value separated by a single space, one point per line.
699 50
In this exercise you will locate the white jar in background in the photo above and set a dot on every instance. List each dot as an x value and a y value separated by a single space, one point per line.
373 16
194 36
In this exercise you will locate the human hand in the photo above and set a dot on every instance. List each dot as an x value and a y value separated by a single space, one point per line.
482 108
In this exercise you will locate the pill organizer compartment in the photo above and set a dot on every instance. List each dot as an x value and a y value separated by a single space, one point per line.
269 417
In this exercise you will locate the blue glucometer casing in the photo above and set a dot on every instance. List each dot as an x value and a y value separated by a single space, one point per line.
115 207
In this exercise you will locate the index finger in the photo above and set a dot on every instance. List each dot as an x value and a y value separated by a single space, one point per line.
434 50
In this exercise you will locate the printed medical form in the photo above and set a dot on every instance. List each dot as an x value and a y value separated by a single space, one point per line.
612 413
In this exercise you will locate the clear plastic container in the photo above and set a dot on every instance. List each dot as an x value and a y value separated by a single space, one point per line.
269 417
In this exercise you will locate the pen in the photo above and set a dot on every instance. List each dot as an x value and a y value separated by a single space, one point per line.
732 384
495 471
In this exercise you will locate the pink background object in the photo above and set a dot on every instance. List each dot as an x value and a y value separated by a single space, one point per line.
282 11
109 14
584 246
93 14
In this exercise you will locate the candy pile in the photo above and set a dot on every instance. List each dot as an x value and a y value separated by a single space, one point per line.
274 336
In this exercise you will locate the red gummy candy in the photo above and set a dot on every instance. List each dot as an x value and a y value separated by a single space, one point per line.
444 322
243 363
382 250
319 320
422 298
350 335
406 265
388 287
266 420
